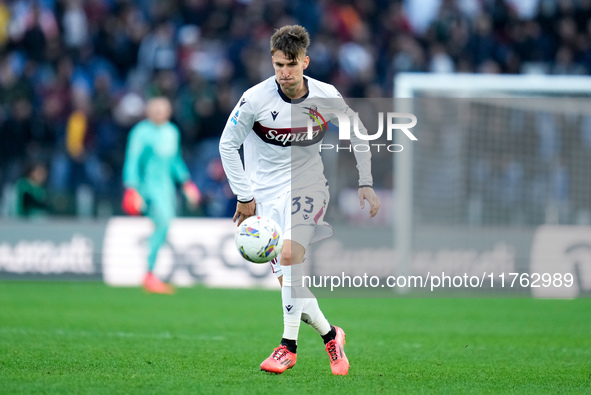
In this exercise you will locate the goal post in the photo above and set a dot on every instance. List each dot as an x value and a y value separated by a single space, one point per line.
497 102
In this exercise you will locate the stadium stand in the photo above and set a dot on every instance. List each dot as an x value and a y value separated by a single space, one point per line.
74 74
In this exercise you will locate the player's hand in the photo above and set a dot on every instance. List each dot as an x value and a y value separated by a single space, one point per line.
133 203
367 193
243 211
192 193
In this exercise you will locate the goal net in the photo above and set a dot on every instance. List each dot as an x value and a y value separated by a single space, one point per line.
492 151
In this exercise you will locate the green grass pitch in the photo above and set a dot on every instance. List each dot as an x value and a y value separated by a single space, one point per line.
87 338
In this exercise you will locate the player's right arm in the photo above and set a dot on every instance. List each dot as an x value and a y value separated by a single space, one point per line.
133 153
239 125
133 203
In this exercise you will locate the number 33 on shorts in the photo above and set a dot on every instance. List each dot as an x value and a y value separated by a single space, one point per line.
306 209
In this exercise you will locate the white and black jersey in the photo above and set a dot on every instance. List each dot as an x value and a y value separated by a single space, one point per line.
279 154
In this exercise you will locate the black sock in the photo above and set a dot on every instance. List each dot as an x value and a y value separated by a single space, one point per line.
291 345
331 335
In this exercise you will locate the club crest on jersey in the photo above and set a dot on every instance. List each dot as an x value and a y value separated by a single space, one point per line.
316 116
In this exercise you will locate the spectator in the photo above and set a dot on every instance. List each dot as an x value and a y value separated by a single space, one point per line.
12 87
218 199
75 25
201 54
31 195
15 133
157 50
34 41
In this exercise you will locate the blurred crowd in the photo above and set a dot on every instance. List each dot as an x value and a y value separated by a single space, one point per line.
75 74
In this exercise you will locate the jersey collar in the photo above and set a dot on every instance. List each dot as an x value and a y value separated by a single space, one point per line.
293 101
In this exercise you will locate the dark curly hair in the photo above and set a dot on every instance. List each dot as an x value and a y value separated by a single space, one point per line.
292 40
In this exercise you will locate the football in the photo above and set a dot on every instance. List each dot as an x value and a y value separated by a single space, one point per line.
259 239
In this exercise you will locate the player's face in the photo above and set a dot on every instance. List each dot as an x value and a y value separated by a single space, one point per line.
158 110
290 74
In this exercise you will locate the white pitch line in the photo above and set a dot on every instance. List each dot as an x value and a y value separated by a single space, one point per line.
120 334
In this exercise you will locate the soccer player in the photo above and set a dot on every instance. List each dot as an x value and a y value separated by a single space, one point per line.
153 166
283 179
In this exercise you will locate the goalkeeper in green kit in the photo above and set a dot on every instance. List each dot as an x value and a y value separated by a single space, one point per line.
152 169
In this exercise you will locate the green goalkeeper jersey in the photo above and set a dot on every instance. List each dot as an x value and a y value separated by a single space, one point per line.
153 162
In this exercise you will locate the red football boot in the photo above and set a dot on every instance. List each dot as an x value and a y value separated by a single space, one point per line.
339 364
153 285
279 361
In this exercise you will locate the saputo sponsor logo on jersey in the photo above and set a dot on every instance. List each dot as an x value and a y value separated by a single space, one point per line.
344 125
300 136
287 137
291 136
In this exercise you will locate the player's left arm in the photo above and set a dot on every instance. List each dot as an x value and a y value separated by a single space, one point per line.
180 174
363 159
367 193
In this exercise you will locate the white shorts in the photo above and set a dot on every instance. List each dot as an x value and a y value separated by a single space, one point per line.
300 213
